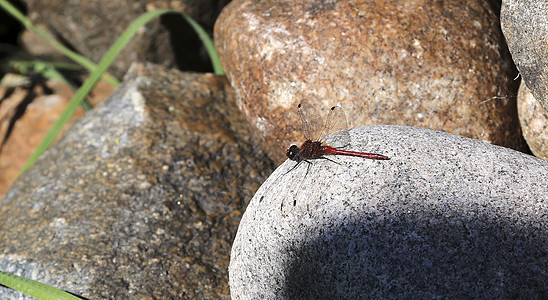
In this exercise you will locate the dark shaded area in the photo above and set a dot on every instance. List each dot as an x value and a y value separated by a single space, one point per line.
401 258
188 49
190 53
495 6
10 28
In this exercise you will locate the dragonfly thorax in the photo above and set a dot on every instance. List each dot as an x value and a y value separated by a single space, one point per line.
308 150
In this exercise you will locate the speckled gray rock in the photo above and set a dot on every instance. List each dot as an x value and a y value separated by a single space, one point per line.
446 217
525 26
141 198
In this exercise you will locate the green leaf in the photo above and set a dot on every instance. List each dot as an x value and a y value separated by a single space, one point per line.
33 288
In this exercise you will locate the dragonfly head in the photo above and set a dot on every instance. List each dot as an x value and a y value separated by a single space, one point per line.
293 152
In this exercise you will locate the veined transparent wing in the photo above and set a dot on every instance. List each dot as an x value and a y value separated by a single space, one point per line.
312 122
334 132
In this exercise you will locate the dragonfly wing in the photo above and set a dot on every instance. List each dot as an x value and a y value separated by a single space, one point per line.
336 123
311 121
339 140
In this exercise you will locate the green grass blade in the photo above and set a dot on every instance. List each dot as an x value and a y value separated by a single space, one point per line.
84 90
208 43
33 288
51 73
86 63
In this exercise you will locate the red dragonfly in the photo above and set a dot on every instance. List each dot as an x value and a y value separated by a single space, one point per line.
316 134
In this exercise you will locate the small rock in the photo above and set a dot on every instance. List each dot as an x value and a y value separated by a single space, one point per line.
534 122
37 46
422 64
25 118
446 217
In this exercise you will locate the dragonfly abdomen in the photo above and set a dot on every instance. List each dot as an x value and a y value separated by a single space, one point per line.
331 150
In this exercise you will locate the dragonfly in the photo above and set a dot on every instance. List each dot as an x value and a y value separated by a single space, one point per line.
323 138
316 132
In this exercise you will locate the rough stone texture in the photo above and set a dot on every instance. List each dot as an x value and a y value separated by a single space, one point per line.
447 217
424 63
92 27
142 196
534 122
525 26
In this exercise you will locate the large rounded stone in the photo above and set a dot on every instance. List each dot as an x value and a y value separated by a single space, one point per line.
421 63
446 217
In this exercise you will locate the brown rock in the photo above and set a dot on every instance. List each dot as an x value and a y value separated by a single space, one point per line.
422 64
11 99
35 45
534 122
39 111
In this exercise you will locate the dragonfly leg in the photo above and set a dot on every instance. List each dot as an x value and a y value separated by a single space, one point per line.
329 159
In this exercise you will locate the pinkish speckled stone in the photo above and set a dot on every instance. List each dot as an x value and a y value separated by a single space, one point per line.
421 63
534 122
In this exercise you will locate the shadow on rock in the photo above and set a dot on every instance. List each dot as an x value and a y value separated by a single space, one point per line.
404 258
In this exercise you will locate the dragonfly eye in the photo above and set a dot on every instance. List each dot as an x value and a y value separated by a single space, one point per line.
292 152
